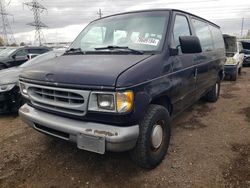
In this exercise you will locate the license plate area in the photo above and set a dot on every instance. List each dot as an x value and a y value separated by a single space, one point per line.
91 143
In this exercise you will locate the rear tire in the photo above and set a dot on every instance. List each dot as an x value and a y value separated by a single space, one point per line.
154 137
240 70
214 93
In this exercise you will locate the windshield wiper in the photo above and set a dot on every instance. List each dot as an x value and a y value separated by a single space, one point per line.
120 48
74 51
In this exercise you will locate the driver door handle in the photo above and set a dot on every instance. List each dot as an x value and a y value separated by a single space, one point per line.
195 73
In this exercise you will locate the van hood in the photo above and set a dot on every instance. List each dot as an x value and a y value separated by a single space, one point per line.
94 69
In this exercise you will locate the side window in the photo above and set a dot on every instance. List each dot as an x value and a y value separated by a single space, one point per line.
218 38
181 28
21 53
203 33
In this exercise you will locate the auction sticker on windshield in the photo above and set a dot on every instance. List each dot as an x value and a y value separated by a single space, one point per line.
147 41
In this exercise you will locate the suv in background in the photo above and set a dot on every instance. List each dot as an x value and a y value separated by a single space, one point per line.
246 51
235 57
2 48
123 80
15 56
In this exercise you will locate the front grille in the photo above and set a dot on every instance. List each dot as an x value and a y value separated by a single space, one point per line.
57 96
68 101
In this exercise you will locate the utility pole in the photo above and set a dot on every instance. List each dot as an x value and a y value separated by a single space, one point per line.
100 16
5 28
100 13
242 27
37 9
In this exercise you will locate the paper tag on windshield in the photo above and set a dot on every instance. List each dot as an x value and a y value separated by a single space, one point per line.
147 41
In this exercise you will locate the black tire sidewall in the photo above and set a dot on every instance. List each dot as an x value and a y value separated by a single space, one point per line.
143 154
156 156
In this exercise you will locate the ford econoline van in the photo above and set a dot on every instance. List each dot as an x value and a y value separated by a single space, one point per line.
123 80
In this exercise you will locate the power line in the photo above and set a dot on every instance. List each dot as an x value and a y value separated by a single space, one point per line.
37 9
5 29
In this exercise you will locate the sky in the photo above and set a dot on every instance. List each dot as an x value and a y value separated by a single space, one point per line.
66 18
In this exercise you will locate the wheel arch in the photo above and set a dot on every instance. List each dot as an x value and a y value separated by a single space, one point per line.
165 101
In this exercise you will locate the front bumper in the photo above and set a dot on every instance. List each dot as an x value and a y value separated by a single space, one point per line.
230 70
90 136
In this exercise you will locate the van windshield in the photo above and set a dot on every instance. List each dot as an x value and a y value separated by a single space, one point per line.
144 31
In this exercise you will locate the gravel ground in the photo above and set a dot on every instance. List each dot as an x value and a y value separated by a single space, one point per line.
210 147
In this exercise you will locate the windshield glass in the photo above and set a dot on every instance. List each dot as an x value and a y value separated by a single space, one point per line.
144 31
7 51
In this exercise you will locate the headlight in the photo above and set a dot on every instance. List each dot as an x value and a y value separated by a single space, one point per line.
120 102
6 87
124 101
23 89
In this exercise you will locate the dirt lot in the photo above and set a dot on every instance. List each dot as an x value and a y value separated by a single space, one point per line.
210 147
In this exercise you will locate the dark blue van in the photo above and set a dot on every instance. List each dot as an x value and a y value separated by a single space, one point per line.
122 81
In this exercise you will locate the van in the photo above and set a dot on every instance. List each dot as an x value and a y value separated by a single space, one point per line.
123 80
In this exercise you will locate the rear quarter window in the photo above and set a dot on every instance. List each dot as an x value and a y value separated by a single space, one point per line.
38 51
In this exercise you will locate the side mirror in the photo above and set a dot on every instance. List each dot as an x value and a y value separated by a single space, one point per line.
190 44
14 56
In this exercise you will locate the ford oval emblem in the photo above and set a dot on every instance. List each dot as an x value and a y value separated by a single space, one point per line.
49 77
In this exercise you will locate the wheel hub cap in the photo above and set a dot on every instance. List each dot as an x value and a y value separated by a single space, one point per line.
216 88
156 136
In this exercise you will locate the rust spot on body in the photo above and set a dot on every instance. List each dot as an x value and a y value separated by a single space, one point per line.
88 130
25 110
105 133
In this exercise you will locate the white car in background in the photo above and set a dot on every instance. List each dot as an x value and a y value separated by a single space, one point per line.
235 57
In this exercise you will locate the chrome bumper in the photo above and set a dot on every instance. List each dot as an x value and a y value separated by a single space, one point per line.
95 137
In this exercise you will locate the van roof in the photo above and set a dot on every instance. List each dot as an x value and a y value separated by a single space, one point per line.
149 10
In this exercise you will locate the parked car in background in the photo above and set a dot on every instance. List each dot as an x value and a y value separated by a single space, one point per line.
2 48
235 57
246 51
122 81
10 97
246 61
15 56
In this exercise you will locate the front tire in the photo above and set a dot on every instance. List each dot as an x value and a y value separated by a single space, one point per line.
154 137
235 75
214 93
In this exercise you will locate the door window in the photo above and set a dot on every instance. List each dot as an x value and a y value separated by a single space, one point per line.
181 28
21 53
203 33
